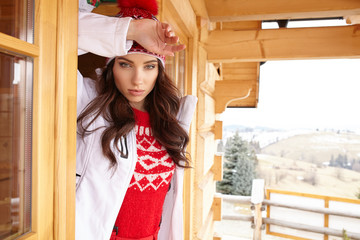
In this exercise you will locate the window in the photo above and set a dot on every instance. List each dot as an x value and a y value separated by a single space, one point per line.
37 119
175 69
15 142
16 77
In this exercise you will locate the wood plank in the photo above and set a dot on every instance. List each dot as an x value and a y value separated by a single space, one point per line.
204 195
310 228
18 46
245 77
313 209
183 13
228 91
189 175
199 8
28 236
250 102
284 44
240 71
238 68
218 130
257 222
207 230
235 10
42 207
217 168
206 103
65 121
243 25
205 153
217 207
205 111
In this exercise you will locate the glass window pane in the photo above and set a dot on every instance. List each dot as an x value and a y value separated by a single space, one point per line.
170 67
181 73
16 19
175 69
16 75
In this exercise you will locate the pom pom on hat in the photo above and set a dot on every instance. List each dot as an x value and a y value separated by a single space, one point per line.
148 5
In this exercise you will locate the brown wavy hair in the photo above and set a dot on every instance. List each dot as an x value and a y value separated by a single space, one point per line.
162 104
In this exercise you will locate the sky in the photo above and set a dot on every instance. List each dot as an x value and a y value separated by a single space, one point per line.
304 94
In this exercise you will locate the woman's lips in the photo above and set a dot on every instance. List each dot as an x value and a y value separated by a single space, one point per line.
135 92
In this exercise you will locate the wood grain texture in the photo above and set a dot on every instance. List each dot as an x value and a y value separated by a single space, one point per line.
283 44
18 46
240 10
43 120
65 121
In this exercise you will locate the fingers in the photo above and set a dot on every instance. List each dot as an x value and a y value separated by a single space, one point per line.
172 40
169 50
168 30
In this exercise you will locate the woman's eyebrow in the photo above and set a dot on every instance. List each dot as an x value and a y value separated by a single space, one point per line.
122 58
150 61
125 59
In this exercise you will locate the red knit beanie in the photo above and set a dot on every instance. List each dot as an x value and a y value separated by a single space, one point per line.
140 9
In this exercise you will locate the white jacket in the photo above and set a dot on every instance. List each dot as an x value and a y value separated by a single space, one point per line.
99 189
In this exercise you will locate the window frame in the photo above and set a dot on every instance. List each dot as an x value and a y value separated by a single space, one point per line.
54 117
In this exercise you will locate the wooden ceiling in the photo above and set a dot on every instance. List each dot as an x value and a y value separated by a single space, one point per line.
238 36
237 43
243 10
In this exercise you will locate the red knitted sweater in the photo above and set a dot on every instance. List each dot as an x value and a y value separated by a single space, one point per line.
140 213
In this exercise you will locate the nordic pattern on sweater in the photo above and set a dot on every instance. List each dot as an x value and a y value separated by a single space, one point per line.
141 210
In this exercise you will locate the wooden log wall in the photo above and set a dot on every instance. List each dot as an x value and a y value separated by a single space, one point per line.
204 177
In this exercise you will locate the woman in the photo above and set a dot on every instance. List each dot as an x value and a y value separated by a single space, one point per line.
132 134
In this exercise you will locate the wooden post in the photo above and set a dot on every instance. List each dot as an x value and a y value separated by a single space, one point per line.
326 218
257 197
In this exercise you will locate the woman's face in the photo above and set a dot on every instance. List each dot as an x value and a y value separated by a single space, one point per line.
135 76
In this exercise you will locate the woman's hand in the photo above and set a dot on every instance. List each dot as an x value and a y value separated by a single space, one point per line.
155 36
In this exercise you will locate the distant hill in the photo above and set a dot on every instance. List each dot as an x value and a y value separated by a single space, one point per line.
299 176
317 147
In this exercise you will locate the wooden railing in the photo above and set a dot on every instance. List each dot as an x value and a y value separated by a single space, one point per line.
284 226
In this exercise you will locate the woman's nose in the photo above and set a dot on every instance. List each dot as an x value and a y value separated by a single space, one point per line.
138 77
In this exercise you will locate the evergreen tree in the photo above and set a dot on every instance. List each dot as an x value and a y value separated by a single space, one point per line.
332 161
239 167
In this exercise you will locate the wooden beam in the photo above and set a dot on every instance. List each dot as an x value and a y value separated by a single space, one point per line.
218 130
308 228
18 46
217 207
199 8
184 15
240 71
242 25
65 120
43 130
228 91
283 44
217 168
235 10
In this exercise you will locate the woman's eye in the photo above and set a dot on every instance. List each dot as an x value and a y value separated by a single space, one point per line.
124 65
150 66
